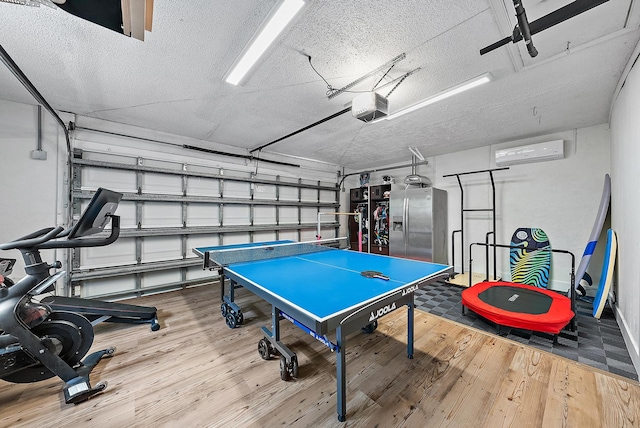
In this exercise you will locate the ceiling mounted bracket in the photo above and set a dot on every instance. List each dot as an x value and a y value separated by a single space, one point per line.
334 93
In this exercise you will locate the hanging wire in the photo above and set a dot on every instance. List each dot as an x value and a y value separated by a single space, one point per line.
383 76
329 87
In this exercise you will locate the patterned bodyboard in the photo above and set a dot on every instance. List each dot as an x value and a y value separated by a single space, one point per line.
529 266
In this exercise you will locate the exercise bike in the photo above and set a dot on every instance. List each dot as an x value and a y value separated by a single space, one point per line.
40 340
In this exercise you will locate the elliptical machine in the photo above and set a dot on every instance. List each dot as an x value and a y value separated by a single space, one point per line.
39 341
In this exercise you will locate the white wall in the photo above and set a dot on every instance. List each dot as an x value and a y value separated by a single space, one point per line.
30 188
625 200
560 196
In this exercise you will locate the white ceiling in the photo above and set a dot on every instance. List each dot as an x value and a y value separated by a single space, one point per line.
174 80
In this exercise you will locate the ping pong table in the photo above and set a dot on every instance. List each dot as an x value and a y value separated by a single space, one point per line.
320 289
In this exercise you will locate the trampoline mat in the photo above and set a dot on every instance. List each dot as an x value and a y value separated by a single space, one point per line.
516 299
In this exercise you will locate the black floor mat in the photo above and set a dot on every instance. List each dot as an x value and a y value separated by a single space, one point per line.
597 343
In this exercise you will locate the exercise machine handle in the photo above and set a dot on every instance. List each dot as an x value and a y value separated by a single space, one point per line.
88 242
34 240
44 239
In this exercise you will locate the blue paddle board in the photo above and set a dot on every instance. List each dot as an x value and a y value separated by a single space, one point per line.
595 232
528 264
606 277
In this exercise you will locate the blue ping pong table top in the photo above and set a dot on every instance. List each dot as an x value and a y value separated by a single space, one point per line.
328 283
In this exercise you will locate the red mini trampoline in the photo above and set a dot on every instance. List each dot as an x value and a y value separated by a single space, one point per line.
519 306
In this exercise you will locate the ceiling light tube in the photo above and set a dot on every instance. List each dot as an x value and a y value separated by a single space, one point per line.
477 81
277 22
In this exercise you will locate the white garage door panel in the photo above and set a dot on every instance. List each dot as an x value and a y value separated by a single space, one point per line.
264 215
237 189
236 215
327 196
309 215
265 191
308 235
161 214
112 179
127 212
217 210
309 195
288 193
197 241
203 214
197 272
106 286
162 184
235 238
154 279
288 215
291 235
161 248
265 236
121 252
200 186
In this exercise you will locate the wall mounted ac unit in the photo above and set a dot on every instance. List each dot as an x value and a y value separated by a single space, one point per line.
540 152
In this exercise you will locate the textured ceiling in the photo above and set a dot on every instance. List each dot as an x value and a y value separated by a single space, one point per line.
174 80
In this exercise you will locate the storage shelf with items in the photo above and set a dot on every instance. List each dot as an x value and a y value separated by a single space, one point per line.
373 204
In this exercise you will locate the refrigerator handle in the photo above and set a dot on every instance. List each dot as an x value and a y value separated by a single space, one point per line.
405 220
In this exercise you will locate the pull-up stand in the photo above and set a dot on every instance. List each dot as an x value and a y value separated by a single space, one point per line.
492 232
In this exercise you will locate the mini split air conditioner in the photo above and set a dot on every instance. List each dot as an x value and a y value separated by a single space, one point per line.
540 152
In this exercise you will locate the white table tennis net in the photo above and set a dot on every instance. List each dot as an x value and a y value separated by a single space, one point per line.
225 257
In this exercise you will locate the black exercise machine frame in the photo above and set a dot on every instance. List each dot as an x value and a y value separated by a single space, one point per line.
39 340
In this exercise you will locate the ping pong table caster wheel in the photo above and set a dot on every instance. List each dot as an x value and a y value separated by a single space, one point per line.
287 371
265 349
231 320
294 366
370 328
224 309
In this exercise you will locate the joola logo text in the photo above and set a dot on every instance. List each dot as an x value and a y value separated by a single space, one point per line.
382 311
409 290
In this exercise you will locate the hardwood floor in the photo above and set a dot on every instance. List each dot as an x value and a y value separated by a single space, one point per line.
196 372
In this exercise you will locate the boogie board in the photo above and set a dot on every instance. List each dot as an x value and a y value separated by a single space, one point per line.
528 264
607 274
595 232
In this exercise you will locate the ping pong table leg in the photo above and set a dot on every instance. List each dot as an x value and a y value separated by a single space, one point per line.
410 316
341 380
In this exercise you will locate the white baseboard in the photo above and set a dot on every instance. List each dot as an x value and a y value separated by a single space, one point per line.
632 345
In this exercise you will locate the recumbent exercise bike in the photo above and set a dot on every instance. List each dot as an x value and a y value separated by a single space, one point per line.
47 338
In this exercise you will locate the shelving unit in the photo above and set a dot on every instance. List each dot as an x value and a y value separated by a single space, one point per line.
373 204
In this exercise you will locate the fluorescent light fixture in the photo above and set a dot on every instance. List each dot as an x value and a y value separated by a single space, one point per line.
477 81
286 11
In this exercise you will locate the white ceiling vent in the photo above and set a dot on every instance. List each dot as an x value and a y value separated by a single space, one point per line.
540 152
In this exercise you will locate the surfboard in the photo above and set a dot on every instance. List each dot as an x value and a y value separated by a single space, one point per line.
606 276
528 264
595 232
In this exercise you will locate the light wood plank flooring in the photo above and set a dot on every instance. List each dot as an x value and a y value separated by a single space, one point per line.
196 372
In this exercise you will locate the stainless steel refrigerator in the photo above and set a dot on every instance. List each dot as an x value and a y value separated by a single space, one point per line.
418 228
